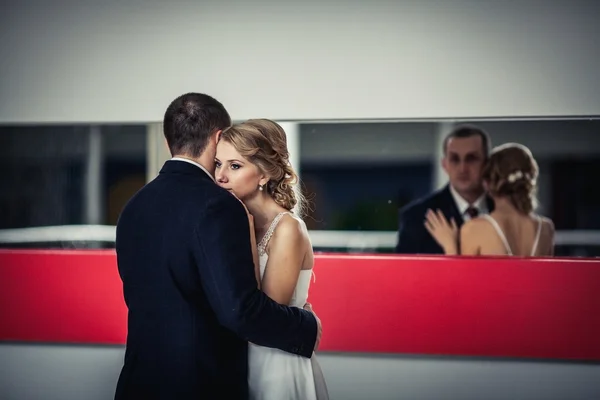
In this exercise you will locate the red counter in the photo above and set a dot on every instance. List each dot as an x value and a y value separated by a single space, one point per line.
491 307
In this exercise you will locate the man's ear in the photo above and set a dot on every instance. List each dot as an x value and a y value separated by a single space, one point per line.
445 164
218 135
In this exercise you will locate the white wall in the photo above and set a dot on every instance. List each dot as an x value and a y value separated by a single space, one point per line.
49 372
125 60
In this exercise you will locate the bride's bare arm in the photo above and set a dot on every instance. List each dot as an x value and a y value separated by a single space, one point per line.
550 229
287 249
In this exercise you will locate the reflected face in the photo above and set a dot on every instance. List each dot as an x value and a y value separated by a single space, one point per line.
235 173
463 162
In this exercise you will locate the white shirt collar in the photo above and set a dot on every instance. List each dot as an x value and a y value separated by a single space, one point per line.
194 163
480 204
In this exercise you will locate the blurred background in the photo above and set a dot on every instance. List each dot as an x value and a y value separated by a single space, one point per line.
74 179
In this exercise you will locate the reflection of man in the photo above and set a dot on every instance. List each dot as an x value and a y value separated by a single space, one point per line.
465 152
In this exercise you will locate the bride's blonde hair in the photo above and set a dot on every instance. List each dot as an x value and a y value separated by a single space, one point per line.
264 143
512 172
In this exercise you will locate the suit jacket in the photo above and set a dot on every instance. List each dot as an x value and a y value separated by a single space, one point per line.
184 256
413 237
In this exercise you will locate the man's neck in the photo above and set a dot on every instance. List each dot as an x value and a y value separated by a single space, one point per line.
470 197
202 161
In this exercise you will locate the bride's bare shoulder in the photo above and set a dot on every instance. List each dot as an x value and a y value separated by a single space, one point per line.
547 225
476 230
476 225
290 229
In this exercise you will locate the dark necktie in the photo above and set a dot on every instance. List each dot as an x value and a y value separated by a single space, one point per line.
472 212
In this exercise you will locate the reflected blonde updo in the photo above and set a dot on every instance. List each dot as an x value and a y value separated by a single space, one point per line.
512 172
263 142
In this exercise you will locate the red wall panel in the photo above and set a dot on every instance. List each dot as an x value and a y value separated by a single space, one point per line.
491 307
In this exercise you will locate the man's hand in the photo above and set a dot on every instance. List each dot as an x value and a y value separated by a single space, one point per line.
308 307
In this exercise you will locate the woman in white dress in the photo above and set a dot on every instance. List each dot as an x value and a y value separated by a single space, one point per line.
252 162
512 229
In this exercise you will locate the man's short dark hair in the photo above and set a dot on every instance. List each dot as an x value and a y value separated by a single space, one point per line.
190 121
465 131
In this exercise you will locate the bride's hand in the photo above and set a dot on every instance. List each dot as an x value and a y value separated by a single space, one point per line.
445 233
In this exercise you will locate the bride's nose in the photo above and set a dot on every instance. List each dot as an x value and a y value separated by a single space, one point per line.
221 178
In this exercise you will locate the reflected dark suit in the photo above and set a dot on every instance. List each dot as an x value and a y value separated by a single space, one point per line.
183 252
413 237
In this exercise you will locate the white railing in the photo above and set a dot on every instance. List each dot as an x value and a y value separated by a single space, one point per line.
387 239
320 238
63 233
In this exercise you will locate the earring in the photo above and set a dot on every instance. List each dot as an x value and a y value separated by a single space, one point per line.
260 187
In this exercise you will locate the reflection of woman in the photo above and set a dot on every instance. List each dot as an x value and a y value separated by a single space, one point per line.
512 228
253 163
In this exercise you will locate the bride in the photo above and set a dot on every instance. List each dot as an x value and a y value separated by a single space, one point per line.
252 162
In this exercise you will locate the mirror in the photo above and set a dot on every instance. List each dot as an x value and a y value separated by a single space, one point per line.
356 176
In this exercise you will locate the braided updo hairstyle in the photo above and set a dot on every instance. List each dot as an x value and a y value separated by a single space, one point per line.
512 172
264 143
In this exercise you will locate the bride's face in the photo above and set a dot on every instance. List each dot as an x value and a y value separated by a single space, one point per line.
235 173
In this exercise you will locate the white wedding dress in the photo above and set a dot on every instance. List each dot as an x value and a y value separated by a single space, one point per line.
274 374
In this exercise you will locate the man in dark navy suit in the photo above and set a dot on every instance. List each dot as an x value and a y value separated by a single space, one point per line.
466 150
184 256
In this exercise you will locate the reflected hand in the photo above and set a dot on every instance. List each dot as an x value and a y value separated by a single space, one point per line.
308 307
445 233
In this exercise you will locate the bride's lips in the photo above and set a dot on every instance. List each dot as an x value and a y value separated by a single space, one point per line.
226 188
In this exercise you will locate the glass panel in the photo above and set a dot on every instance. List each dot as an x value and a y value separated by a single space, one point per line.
56 177
356 175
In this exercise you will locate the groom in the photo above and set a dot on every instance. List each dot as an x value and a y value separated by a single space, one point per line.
184 256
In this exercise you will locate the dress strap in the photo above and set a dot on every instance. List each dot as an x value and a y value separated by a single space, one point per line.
262 245
492 221
537 236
